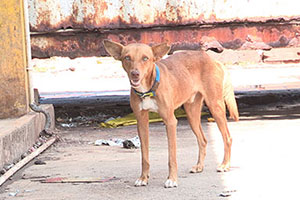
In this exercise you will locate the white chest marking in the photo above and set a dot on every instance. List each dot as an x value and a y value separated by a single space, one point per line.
149 104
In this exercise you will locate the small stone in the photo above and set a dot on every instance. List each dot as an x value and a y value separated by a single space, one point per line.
2 171
39 162
24 155
8 166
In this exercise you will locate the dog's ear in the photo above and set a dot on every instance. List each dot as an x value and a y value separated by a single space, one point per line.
160 50
113 48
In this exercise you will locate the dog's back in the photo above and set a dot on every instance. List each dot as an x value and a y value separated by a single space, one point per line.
191 60
192 69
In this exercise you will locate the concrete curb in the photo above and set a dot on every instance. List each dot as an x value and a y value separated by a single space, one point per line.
266 97
18 135
254 97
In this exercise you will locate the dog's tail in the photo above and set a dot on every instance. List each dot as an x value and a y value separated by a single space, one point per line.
229 98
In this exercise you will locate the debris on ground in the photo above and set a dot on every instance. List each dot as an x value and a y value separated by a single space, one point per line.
76 180
111 142
24 176
132 143
82 115
70 125
13 194
227 193
37 148
128 144
17 192
39 162
41 140
131 120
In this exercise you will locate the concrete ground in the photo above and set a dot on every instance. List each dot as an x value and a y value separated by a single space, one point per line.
265 163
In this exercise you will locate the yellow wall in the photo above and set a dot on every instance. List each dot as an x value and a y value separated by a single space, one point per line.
13 61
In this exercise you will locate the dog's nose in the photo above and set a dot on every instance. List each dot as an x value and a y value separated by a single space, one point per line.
135 74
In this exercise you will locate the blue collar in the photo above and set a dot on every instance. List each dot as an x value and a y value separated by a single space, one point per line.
151 92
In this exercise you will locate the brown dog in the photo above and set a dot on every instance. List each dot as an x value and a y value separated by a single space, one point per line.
186 78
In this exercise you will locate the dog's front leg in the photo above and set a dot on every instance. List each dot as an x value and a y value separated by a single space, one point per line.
171 124
143 131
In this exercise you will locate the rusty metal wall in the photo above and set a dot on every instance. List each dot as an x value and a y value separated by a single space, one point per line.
184 24
51 15
76 44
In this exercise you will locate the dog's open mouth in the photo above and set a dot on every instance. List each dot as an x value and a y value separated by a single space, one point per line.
135 83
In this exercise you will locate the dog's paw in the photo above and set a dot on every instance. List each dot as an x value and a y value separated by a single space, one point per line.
139 183
170 184
196 169
223 168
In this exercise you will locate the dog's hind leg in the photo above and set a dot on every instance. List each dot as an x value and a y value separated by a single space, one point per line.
215 102
193 111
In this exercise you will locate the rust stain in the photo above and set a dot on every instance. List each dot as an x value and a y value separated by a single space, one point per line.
186 37
51 15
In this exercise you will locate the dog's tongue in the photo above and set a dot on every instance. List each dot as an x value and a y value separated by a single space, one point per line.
135 83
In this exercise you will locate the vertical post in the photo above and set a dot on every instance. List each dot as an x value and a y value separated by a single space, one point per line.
14 90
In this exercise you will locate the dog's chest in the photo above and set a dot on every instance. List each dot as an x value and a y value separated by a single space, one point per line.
149 104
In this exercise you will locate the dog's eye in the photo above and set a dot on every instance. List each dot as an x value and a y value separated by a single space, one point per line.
127 58
145 58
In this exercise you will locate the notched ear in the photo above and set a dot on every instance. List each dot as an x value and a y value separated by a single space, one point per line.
160 50
113 48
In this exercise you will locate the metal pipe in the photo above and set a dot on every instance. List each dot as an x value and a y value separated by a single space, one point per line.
28 52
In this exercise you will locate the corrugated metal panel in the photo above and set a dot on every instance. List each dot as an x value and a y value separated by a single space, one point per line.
50 15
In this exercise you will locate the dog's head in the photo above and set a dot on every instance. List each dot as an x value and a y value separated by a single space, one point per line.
137 59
